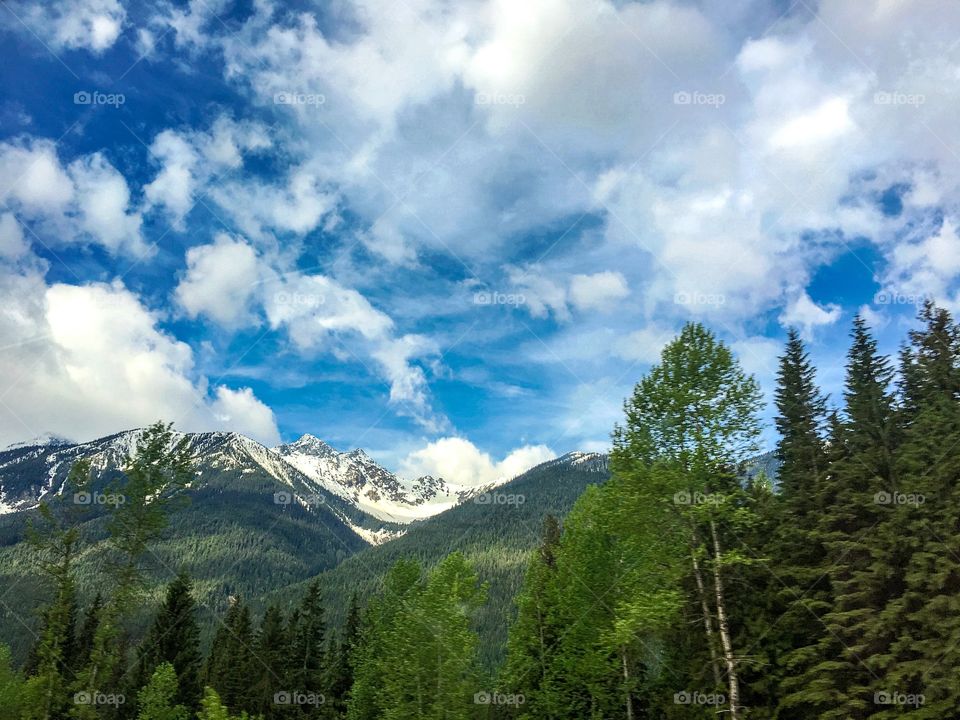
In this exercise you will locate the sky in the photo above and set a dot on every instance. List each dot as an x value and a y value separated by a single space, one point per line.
454 233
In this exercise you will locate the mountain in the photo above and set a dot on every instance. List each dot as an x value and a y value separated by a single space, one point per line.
259 519
355 477
495 530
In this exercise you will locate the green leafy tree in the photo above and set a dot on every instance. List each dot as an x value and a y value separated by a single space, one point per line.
690 424
55 538
158 699
139 502
11 686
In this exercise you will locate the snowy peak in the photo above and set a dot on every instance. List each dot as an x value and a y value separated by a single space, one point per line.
310 445
44 440
359 479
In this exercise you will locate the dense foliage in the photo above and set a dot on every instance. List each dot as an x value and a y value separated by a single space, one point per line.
683 587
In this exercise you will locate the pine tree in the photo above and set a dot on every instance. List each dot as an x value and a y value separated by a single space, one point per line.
55 539
795 590
834 674
342 665
231 663
174 638
921 618
307 633
11 686
88 630
272 650
534 636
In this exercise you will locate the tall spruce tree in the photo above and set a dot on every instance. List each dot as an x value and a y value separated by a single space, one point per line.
796 589
921 622
272 650
834 674
531 669
231 663
174 638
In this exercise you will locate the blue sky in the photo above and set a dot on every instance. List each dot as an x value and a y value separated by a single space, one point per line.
453 233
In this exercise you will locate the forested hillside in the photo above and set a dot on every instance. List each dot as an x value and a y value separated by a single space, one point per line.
686 585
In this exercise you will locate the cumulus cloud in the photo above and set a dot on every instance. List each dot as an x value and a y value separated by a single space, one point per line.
544 295
599 291
220 281
92 25
85 201
805 314
459 461
84 361
189 160
229 283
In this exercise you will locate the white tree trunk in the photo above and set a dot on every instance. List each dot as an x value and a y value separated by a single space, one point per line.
731 662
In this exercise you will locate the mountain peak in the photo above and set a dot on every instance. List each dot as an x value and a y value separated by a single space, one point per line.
310 445
40 440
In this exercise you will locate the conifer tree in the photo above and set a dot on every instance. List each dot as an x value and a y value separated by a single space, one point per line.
531 667
174 638
55 538
307 633
231 664
795 588
835 674
159 466
923 523
272 650
11 686
343 658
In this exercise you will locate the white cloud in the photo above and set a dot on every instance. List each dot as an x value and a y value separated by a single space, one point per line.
240 408
805 314
85 361
190 160
92 25
459 461
599 291
544 295
220 281
12 243
87 201
229 283
829 121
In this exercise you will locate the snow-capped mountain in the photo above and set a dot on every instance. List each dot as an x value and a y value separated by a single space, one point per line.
356 477
373 502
